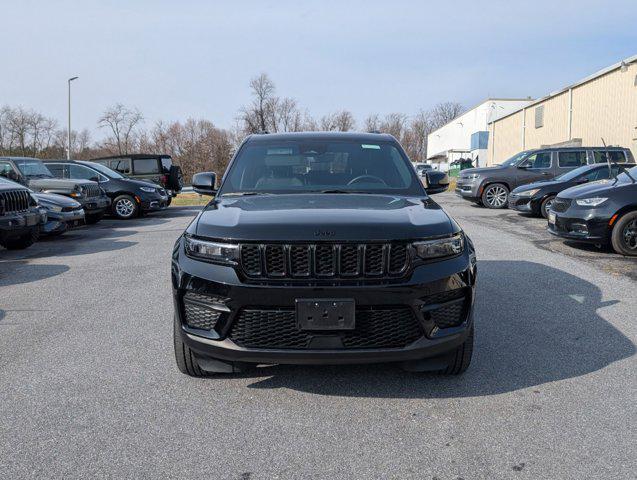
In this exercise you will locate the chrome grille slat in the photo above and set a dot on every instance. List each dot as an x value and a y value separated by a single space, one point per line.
14 201
324 260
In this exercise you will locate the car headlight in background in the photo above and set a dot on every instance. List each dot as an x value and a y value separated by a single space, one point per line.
51 207
472 176
440 247
215 252
528 193
590 202
148 189
78 192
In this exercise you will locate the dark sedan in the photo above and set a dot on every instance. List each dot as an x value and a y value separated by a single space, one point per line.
130 198
536 198
601 212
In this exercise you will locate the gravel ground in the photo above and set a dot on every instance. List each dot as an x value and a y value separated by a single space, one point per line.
89 389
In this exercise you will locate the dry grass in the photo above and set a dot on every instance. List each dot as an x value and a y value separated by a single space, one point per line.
188 199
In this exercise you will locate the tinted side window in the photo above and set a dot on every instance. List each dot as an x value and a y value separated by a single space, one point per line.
571 159
121 165
59 170
538 160
82 172
614 155
145 166
6 170
597 174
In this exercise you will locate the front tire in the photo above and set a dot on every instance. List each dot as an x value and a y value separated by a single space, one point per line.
624 235
495 196
546 206
461 358
186 360
23 241
125 207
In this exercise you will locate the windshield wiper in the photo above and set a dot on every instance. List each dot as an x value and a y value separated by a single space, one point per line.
244 194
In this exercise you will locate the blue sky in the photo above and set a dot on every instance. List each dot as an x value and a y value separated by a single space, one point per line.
179 59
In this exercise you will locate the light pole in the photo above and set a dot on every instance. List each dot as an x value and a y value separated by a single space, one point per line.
68 147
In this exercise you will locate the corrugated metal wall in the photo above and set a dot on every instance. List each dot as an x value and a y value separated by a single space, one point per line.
605 107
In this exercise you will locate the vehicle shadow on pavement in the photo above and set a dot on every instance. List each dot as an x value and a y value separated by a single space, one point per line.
20 271
534 324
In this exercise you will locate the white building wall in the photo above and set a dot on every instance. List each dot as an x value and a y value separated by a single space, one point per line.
456 135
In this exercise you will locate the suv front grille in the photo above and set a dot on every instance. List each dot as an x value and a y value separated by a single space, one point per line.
324 260
560 204
92 190
387 327
14 201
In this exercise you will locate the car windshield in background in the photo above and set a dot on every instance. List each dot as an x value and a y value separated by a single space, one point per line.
311 166
102 169
33 168
514 160
568 176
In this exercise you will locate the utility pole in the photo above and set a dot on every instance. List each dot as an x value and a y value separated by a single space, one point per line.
68 145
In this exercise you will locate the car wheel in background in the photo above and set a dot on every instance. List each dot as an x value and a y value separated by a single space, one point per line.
624 236
125 207
546 206
495 195
23 241
93 219
169 201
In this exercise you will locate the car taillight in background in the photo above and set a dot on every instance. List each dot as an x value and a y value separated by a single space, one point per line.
164 180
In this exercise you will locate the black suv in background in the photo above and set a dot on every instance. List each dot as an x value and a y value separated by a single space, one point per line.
158 169
490 186
537 197
32 173
322 248
600 212
130 198
20 216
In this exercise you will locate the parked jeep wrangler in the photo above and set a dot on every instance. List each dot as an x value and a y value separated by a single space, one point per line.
158 169
32 173
20 216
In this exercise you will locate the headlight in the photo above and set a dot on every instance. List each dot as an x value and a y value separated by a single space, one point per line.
148 189
212 251
528 193
472 176
590 202
51 207
78 192
441 247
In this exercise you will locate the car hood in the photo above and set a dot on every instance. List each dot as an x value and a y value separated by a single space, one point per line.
60 200
56 183
593 189
545 184
315 217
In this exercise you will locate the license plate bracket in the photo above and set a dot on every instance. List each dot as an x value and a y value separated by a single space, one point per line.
551 218
325 314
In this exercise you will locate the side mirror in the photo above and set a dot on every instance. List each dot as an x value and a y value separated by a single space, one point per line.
95 179
523 167
204 183
581 180
11 175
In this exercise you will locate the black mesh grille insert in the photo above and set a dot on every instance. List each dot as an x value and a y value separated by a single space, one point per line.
449 315
447 309
251 259
324 260
392 327
197 311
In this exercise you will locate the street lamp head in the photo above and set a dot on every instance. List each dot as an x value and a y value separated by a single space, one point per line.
73 78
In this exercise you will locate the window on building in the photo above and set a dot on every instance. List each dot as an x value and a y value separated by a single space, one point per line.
539 116
571 159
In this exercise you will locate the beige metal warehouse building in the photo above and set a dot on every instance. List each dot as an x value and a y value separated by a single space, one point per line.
603 105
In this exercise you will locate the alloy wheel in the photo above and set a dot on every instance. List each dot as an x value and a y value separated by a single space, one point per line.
125 207
496 196
629 235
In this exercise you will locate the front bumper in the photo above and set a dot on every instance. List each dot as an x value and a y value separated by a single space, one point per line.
412 294
16 224
58 222
588 225
153 203
468 189
95 205
522 204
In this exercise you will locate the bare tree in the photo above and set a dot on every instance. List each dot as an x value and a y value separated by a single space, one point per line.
444 112
122 122
258 116
372 123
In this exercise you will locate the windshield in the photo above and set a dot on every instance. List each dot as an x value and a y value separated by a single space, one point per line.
33 169
515 159
565 177
321 165
102 169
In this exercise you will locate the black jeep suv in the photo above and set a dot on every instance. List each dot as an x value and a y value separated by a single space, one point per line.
321 248
32 173
20 216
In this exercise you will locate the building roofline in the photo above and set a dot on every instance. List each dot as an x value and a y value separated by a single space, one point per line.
599 73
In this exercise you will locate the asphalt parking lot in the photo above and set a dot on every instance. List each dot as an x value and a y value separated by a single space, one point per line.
89 388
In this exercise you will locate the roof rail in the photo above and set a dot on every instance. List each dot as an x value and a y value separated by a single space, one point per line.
374 131
263 132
